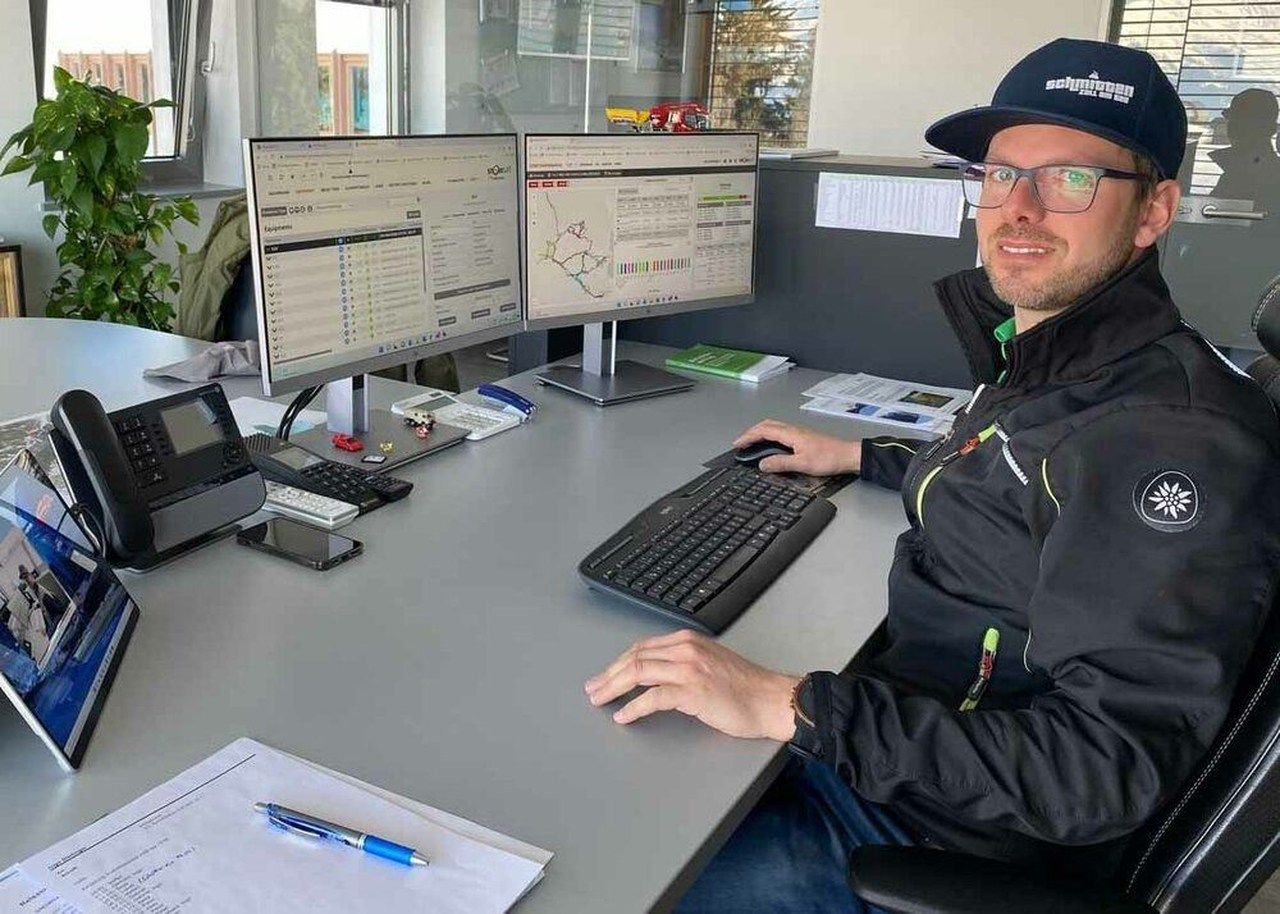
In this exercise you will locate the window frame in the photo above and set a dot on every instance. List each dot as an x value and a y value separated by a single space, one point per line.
188 25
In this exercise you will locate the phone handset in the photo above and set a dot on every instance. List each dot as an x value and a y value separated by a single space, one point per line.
99 475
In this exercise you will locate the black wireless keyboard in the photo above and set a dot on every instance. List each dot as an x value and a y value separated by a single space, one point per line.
704 552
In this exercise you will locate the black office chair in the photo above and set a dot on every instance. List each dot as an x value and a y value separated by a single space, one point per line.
1208 850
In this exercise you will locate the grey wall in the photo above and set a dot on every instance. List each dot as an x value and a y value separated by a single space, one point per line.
885 71
836 299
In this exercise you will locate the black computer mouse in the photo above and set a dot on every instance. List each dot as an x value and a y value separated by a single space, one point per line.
758 450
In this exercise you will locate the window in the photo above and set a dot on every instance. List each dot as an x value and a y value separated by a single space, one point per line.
1225 60
615 65
145 49
326 97
328 67
762 67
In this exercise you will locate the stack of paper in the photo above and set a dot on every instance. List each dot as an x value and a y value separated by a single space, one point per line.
922 407
196 844
740 364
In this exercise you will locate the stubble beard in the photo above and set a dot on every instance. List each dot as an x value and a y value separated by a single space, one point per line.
1066 284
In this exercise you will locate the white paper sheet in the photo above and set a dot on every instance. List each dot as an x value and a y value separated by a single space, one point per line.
925 399
197 838
19 895
881 203
901 418
254 415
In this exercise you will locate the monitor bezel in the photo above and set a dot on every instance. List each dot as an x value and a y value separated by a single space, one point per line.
628 314
272 386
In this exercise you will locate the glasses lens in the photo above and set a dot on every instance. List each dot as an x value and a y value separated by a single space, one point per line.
1066 188
987 186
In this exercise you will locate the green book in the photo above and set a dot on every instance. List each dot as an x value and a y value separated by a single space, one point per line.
740 364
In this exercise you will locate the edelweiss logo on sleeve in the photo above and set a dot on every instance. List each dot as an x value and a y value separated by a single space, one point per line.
1092 86
1167 500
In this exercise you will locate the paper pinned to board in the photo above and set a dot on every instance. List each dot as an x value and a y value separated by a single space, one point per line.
883 203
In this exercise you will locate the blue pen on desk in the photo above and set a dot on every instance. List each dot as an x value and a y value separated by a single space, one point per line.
310 827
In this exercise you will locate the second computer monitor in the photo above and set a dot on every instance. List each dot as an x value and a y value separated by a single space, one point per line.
625 226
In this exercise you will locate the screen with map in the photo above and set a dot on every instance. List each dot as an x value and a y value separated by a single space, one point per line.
618 222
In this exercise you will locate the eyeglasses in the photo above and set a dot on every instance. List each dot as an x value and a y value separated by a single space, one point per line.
1058 188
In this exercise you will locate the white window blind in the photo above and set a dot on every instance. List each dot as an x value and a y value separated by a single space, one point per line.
762 67
1212 52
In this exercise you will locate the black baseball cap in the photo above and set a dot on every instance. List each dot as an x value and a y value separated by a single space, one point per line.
1114 92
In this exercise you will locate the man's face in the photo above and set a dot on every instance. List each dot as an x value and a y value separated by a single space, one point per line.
1043 261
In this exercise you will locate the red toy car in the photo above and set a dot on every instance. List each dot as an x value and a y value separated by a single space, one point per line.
347 443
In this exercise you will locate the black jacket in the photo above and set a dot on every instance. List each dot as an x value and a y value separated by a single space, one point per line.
1111 507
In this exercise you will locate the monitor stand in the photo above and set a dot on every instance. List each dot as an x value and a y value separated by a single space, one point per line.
605 381
347 404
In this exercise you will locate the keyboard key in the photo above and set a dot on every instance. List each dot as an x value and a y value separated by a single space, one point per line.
734 564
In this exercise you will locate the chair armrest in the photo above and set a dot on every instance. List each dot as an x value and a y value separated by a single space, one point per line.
917 880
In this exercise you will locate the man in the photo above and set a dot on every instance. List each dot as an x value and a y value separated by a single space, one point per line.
1250 165
1092 550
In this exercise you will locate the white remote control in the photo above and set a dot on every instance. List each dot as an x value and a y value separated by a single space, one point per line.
319 510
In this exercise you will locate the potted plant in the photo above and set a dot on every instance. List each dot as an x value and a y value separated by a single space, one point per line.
85 146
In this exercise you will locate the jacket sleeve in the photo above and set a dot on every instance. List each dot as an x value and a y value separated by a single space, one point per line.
1158 530
885 460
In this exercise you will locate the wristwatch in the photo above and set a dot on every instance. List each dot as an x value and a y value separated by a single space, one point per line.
805 741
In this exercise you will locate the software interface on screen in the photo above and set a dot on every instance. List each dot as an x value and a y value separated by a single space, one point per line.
368 246
636 221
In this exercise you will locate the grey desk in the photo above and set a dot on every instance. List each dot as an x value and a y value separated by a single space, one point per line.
447 662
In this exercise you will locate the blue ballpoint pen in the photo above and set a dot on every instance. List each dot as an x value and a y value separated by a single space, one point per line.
309 826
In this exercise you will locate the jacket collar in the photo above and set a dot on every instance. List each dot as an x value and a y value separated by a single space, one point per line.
1130 310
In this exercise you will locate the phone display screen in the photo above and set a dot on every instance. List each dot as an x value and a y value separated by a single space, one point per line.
64 615
191 426
289 538
296 457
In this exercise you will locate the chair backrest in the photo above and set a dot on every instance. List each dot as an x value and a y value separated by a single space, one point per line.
239 316
1219 840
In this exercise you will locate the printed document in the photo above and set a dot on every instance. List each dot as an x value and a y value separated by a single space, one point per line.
195 844
19 895
926 399
881 203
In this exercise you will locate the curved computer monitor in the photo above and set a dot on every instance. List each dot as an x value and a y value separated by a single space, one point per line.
370 252
624 226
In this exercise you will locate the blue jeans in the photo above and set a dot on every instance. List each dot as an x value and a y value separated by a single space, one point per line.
791 853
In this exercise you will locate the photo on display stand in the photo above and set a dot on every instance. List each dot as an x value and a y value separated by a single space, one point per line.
64 615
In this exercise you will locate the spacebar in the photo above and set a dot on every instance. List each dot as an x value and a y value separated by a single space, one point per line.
731 566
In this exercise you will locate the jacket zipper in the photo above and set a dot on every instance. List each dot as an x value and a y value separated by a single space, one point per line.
942 442
967 447
986 667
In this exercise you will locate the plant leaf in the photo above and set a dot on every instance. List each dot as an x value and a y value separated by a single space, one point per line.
95 149
50 224
82 202
61 79
17 163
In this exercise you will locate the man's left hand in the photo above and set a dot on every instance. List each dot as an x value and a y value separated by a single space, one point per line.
693 674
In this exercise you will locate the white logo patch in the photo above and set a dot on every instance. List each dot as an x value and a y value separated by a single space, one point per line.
1167 500
1092 86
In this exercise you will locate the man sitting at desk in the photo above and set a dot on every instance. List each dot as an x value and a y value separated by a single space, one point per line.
1092 550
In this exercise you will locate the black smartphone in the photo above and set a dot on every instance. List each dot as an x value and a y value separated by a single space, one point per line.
298 542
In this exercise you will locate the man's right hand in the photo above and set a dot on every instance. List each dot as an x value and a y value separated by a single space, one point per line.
815 454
